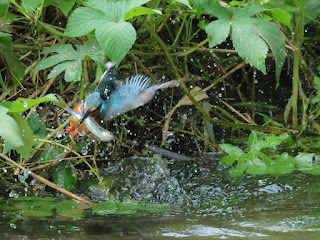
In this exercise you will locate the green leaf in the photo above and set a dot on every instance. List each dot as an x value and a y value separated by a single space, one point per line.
246 12
70 60
248 44
31 5
115 10
65 6
312 9
9 131
65 52
23 104
15 66
218 31
65 176
116 39
227 161
304 161
231 150
3 2
26 134
237 171
106 19
34 121
83 21
73 70
138 11
271 33
73 73
316 80
252 141
255 166
282 165
184 2
265 141
212 7
282 16
60 68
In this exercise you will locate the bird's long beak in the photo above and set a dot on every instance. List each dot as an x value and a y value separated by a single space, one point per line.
84 115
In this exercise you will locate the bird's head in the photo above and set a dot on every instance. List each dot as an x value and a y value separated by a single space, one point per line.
89 106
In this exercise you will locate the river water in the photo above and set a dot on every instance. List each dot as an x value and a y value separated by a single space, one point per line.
152 198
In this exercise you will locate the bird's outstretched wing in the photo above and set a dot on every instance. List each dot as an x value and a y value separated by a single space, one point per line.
136 91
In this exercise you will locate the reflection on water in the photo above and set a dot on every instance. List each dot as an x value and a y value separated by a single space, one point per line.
204 204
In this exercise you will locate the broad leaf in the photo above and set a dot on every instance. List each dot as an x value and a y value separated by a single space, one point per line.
231 150
65 176
106 19
138 11
255 166
23 104
246 12
9 130
251 37
65 52
282 165
26 134
252 140
70 60
304 161
218 31
248 44
282 16
116 39
184 2
266 141
212 7
31 5
271 33
15 66
83 21
66 5
237 171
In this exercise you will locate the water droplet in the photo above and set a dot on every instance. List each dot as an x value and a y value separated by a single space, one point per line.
25 104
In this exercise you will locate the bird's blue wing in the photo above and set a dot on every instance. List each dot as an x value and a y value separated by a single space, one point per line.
136 91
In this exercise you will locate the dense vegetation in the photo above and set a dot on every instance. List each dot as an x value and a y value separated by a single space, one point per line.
252 65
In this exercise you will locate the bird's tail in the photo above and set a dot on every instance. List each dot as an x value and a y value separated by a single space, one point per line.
173 83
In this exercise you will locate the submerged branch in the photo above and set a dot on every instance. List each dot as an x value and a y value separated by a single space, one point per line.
47 182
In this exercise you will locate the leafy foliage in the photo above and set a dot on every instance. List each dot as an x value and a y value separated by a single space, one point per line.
11 58
16 132
26 135
107 19
251 37
70 60
9 130
255 162
65 176
23 104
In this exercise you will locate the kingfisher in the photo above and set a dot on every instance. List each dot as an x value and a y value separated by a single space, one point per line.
113 97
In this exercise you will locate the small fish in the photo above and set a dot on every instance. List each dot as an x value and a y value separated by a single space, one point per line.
74 122
98 131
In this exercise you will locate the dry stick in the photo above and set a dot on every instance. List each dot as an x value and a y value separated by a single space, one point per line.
248 120
48 183
215 82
